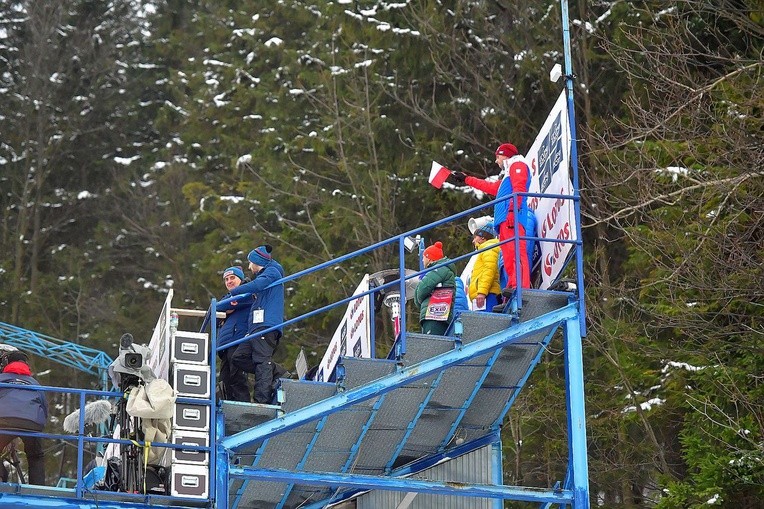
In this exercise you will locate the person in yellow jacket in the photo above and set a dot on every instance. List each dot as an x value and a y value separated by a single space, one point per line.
485 291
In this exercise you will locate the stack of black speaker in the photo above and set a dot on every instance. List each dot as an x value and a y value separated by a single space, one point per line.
190 377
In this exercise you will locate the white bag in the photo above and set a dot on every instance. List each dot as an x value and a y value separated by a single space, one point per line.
154 400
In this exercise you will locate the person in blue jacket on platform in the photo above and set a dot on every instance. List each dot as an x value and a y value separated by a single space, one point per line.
267 311
24 410
234 326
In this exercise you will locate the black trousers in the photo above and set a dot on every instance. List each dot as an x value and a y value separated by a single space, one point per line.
35 458
234 379
256 356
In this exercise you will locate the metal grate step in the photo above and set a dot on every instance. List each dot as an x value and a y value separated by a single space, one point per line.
515 362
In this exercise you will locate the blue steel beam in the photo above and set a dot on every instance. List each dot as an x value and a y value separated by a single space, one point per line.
16 501
497 472
221 474
391 382
213 338
574 399
578 246
367 482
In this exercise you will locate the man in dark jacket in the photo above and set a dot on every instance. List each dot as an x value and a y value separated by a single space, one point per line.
23 410
234 326
267 310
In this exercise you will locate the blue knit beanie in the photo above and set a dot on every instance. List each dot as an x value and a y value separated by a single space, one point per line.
260 255
486 231
235 270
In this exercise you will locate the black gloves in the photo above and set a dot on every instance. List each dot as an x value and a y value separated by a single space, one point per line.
457 178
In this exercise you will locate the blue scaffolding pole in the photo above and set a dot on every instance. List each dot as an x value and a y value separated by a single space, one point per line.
574 374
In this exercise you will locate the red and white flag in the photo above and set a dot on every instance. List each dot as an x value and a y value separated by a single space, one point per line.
438 174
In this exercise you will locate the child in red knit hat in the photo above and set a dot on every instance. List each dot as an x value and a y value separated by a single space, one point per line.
435 292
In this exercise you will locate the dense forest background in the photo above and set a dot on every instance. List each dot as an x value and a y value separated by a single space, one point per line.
147 145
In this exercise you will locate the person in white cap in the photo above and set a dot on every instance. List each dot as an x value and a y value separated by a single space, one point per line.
484 290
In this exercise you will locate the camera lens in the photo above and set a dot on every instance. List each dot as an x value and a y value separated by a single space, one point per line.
133 360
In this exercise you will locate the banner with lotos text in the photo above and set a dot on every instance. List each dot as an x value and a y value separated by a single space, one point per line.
549 161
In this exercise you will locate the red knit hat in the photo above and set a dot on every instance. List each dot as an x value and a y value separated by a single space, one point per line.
506 149
434 252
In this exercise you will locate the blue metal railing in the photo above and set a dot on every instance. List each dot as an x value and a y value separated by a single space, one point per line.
101 362
81 438
401 281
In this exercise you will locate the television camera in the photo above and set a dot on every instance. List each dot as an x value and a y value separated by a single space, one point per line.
130 368
128 371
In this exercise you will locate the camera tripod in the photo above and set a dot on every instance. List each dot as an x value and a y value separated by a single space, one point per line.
11 454
131 456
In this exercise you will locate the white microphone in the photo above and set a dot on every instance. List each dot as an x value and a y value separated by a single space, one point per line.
96 412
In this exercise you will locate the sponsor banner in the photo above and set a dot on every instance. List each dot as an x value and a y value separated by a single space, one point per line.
549 160
353 335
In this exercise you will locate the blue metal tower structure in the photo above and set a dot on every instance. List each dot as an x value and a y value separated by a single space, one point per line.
79 357
381 425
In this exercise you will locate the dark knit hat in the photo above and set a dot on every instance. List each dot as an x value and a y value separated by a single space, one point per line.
17 356
235 270
260 255
506 149
434 252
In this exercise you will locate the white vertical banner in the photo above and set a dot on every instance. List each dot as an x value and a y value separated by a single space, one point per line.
352 337
159 362
549 161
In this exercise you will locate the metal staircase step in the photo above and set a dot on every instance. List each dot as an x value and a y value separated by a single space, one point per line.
399 407
239 416
341 432
514 365
541 302
420 347
360 371
282 451
301 393
478 325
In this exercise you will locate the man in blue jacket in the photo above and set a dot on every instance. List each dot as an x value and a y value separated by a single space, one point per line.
23 410
234 326
267 311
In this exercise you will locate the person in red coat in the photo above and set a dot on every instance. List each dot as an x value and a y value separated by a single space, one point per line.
516 177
